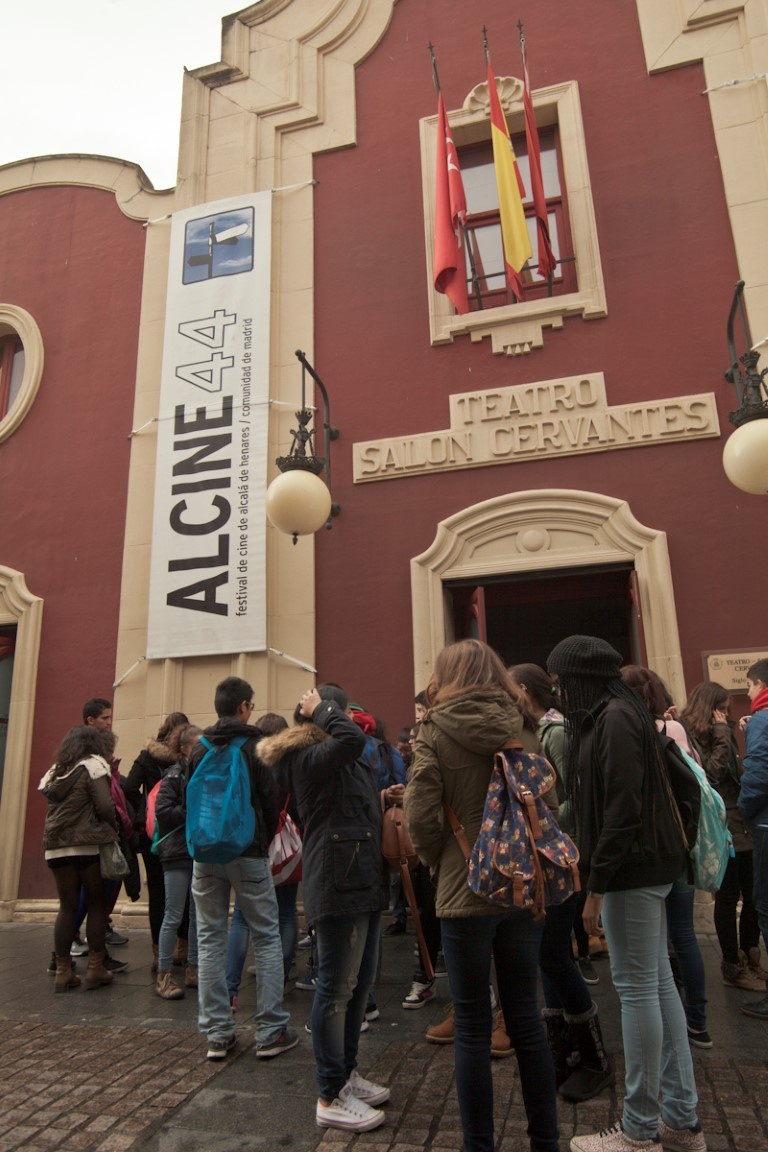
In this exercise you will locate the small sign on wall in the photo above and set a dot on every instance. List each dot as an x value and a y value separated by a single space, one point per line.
730 668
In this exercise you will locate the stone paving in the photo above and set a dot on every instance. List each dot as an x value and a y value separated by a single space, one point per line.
119 1070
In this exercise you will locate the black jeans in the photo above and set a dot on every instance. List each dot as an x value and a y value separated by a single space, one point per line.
737 882
514 941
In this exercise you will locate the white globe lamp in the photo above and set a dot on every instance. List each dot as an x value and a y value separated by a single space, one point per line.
745 457
298 503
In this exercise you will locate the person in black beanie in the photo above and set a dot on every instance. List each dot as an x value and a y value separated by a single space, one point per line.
632 850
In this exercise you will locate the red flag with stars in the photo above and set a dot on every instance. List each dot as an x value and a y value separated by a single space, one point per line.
450 210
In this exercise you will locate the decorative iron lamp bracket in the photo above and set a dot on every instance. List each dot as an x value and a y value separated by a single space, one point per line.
295 507
750 384
745 456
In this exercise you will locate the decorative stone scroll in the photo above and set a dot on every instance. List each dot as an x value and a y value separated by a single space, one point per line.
565 417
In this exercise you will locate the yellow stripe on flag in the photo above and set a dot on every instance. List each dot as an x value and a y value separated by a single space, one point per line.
517 242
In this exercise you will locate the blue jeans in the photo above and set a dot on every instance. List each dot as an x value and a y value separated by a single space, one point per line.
514 940
760 881
656 1050
683 938
251 879
237 947
561 977
347 957
177 883
289 928
397 899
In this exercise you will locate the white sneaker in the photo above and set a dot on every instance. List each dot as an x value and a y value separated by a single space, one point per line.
613 1139
348 1113
419 995
366 1090
681 1139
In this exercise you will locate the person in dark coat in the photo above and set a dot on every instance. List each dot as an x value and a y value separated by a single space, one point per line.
345 887
632 850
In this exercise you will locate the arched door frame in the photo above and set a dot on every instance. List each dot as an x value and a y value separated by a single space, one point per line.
17 606
542 530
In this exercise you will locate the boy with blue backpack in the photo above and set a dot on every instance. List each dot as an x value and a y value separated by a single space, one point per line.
232 816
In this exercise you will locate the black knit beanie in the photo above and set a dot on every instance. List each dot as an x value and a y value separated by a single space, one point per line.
585 656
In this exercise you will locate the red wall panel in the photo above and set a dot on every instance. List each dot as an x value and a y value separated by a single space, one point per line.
74 261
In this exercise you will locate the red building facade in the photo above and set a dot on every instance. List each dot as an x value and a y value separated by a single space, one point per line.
71 266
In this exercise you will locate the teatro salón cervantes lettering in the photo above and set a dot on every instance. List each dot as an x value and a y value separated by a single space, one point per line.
530 421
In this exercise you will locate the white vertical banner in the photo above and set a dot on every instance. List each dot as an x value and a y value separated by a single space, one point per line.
207 590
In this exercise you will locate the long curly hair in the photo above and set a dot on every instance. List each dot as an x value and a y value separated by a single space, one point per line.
82 742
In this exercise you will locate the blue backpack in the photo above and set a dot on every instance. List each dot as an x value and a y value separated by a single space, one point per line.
221 822
711 843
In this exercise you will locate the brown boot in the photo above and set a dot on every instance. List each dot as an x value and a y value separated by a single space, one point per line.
501 1045
442 1033
190 976
154 957
65 977
740 976
752 961
166 987
96 973
180 952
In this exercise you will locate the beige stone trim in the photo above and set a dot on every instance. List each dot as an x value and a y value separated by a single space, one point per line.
133 190
537 531
730 38
516 329
283 91
18 321
17 606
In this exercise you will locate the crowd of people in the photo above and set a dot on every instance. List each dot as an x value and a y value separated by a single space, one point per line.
518 984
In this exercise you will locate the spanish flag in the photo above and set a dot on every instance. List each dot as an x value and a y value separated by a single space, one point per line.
510 190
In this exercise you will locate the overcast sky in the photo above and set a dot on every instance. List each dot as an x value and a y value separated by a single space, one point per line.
103 76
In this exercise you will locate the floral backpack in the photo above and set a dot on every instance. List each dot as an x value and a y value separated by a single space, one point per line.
521 858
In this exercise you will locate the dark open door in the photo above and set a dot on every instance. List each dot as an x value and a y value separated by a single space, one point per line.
638 654
523 616
475 625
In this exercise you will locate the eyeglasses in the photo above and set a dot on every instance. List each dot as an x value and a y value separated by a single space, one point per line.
250 705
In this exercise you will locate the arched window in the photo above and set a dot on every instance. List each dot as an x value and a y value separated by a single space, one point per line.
21 366
11 371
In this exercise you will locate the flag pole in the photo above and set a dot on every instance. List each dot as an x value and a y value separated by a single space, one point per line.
435 77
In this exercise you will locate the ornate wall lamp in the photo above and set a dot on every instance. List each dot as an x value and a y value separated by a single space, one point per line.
298 501
745 456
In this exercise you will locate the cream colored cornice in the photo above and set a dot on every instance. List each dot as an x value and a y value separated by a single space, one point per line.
289 67
678 32
133 190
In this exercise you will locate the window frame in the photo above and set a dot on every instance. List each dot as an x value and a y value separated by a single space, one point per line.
564 280
515 329
17 327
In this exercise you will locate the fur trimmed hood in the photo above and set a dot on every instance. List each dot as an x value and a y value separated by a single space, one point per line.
272 749
160 751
